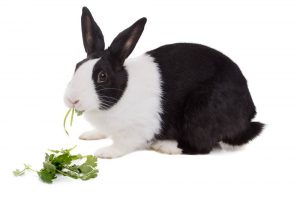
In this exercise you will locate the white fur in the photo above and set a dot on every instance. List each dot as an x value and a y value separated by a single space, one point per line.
82 88
166 146
134 120
92 135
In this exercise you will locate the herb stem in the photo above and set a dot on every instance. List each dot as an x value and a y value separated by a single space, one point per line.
28 167
61 172
65 120
72 116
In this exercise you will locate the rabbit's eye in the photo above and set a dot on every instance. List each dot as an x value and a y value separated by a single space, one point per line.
102 77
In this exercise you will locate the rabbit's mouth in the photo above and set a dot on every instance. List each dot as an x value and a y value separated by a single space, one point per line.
79 107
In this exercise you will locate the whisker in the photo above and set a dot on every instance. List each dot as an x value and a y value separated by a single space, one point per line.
106 87
108 102
99 86
109 97
105 102
109 89
104 105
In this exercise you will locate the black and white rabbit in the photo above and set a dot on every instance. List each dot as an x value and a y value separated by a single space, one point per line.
178 98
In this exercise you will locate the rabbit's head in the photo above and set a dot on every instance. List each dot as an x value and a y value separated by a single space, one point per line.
100 80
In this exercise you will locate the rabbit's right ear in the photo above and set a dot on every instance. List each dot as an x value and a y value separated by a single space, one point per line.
122 46
92 36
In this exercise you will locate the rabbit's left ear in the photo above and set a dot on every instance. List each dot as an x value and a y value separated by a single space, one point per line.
91 34
122 46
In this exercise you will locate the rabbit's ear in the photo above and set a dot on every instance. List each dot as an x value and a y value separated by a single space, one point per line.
92 36
124 43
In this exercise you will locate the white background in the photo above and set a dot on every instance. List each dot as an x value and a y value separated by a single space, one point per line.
40 43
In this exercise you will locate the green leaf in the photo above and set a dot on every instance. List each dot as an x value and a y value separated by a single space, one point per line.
91 160
51 157
85 168
49 167
79 113
60 161
73 168
76 157
92 174
54 151
46 176
46 157
88 168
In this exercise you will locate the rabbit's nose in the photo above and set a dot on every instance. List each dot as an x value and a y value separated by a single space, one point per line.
73 102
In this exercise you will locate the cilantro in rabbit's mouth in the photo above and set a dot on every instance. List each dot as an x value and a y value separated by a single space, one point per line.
71 111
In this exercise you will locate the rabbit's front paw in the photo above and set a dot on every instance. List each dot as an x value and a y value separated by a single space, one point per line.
109 152
92 135
166 146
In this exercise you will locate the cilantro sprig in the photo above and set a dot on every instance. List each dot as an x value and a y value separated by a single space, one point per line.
62 162
19 172
72 111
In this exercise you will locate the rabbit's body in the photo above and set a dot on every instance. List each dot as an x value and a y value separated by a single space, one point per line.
179 98
205 97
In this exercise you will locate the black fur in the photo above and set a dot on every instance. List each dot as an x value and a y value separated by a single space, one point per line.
113 88
244 137
92 36
205 98
124 43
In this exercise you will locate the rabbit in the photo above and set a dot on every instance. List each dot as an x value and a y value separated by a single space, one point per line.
180 98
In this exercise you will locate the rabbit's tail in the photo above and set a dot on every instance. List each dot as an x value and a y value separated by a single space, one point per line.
245 136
